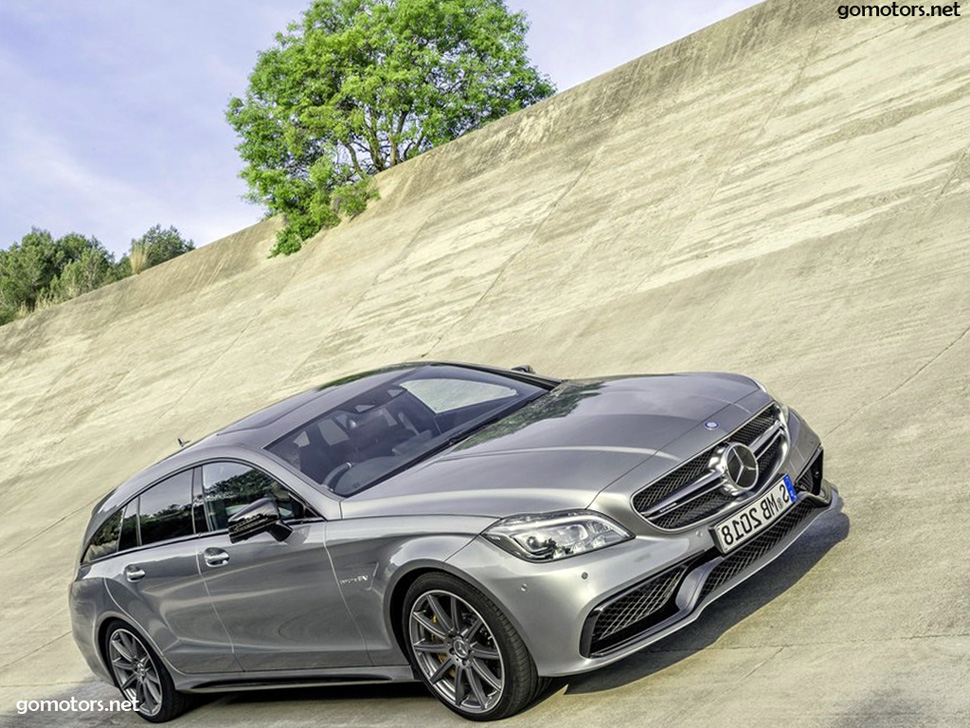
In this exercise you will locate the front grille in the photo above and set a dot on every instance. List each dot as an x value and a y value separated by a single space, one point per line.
768 458
737 561
706 503
634 611
696 510
672 482
715 500
753 429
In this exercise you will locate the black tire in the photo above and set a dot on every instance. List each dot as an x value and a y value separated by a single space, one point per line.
460 657
162 702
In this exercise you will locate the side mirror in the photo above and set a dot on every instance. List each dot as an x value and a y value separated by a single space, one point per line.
527 368
258 517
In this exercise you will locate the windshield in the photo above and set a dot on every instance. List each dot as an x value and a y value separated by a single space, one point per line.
395 424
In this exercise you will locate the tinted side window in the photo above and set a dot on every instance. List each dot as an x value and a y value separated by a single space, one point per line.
165 509
129 527
229 487
105 539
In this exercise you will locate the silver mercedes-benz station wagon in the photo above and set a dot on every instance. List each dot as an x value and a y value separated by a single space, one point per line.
478 529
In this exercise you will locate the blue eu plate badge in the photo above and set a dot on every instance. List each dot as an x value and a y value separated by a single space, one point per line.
792 493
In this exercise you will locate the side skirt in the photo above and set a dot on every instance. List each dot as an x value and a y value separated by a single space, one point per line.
275 681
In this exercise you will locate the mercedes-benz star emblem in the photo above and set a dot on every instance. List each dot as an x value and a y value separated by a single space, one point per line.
737 466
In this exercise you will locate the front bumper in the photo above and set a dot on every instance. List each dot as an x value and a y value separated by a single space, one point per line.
555 606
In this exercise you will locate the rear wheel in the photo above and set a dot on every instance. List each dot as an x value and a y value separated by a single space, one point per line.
466 651
142 677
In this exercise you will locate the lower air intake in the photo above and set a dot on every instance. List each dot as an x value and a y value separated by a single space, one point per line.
737 561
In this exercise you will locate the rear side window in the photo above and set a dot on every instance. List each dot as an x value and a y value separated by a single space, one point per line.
229 487
165 509
105 539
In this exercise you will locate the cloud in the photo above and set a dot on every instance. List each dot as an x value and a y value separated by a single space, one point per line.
113 115
63 193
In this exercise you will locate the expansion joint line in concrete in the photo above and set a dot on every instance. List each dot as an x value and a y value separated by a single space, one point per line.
222 354
923 367
532 236
510 259
742 150
92 344
909 378
86 507
35 650
952 175
366 290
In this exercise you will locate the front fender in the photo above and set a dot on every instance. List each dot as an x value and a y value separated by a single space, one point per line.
372 557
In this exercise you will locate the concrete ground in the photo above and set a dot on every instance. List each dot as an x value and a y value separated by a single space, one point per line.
784 194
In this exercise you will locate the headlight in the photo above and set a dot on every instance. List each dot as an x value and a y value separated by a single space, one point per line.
549 536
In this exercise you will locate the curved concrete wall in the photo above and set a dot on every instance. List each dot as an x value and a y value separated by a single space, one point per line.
784 194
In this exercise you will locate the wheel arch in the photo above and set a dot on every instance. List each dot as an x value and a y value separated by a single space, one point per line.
406 576
101 642
104 626
398 589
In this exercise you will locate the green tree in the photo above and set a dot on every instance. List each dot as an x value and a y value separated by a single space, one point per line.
93 268
160 245
40 269
358 86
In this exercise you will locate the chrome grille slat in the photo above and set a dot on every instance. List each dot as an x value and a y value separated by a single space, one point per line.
671 483
705 480
768 456
749 431
765 438
687 489
693 511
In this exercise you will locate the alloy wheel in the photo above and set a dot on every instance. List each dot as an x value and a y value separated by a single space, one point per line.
456 651
135 672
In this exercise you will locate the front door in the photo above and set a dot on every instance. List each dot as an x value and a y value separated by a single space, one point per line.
279 600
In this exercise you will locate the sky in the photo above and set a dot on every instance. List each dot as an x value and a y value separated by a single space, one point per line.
112 111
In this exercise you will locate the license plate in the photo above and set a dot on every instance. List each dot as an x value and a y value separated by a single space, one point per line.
755 517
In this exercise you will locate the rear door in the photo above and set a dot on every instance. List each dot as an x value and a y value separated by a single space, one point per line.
279 600
155 579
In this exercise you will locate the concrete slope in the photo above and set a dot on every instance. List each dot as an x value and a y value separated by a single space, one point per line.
783 194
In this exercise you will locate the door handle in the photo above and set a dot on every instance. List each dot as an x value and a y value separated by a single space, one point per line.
133 572
215 557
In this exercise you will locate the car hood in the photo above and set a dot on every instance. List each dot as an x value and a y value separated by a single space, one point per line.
559 451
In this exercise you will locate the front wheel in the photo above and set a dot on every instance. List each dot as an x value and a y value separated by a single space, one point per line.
466 651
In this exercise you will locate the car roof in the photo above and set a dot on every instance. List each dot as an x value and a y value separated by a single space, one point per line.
270 423
264 427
